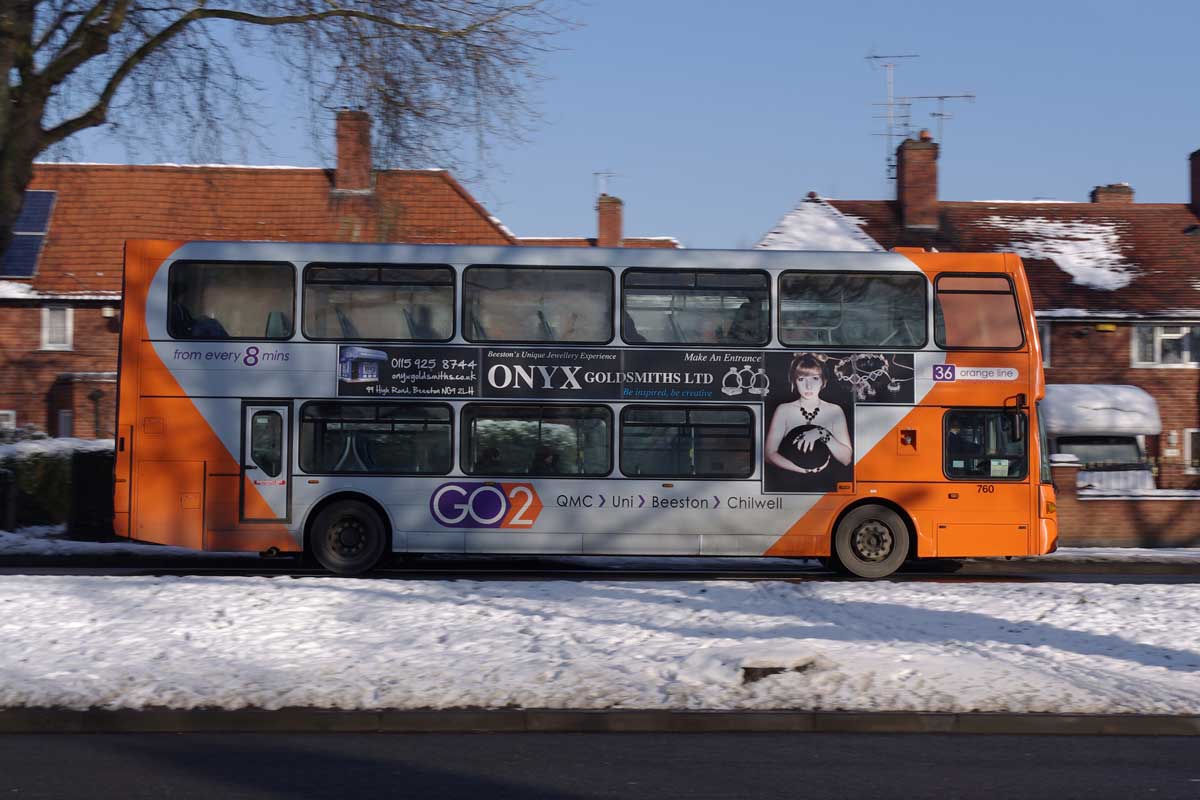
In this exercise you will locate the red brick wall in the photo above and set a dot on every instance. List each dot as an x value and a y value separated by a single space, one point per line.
1122 523
1081 354
28 374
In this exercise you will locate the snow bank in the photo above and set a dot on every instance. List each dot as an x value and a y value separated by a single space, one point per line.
1082 409
53 447
237 642
816 225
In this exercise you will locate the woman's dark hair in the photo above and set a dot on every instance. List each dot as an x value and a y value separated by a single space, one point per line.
805 363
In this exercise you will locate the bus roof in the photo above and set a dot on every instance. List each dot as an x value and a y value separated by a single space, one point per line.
306 252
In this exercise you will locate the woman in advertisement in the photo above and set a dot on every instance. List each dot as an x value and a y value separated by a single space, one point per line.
808 438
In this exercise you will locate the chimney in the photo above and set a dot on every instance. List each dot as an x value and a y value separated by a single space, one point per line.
916 182
1194 161
609 211
1113 193
353 151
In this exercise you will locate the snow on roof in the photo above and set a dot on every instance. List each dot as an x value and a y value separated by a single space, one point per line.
1099 409
1088 251
20 290
816 225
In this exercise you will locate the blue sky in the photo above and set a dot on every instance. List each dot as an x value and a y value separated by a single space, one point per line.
719 117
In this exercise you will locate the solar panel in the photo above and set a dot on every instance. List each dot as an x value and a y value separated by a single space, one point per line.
21 257
35 212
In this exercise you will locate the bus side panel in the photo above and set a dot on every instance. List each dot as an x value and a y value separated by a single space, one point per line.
170 435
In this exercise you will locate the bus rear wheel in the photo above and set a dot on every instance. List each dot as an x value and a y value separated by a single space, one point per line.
348 537
871 541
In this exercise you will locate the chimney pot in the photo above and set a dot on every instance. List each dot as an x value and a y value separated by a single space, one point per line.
925 136
1112 193
353 151
917 182
609 213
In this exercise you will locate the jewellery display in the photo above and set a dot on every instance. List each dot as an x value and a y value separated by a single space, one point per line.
863 370
739 381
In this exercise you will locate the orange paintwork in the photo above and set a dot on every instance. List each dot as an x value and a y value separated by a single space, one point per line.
172 458
952 518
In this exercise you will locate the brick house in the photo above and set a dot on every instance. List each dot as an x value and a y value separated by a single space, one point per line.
60 280
1116 284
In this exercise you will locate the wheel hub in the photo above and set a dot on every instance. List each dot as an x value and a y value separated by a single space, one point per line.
347 538
873 541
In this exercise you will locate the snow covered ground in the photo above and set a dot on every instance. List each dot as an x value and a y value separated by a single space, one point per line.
238 642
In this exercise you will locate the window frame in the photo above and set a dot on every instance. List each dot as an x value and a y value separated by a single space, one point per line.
464 449
612 306
753 438
1193 331
379 266
1188 453
8 419
300 468
282 439
925 320
68 324
1022 478
620 311
1012 292
193 261
1044 342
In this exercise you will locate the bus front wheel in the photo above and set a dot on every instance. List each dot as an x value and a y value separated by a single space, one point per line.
348 537
871 541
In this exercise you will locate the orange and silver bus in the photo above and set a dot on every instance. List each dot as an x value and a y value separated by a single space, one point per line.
354 400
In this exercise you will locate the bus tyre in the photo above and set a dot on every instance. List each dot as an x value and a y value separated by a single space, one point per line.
871 541
348 537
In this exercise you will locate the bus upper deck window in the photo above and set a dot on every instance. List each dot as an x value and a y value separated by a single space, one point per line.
538 304
976 312
712 307
852 309
396 302
230 300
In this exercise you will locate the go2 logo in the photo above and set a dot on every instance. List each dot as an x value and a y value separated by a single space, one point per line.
485 505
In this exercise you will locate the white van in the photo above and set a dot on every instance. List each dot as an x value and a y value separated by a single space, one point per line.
1105 427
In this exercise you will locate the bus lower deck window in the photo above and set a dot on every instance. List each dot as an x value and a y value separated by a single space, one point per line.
687 442
536 440
385 438
985 444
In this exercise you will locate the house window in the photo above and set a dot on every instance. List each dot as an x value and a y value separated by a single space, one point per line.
1044 341
1166 346
8 420
1191 451
58 324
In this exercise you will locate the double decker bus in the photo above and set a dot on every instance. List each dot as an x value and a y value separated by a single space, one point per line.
351 400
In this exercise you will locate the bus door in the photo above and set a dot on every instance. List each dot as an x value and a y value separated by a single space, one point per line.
266 462
987 508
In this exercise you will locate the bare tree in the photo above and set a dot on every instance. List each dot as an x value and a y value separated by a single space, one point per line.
428 71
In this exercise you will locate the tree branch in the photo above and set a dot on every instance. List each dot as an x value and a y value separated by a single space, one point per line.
97 114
